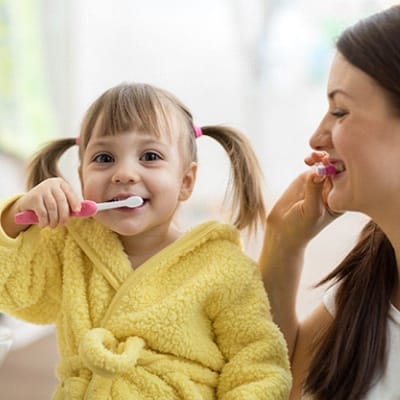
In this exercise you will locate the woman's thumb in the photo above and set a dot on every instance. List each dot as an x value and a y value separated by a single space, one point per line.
313 200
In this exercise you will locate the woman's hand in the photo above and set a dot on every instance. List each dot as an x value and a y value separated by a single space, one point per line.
302 211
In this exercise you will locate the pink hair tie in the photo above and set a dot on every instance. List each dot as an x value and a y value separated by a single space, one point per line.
197 131
78 141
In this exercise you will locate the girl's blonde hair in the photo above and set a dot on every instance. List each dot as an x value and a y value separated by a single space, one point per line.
145 108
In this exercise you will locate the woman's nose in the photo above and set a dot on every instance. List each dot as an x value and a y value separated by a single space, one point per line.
321 139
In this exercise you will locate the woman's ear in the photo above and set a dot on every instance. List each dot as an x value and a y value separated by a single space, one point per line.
188 181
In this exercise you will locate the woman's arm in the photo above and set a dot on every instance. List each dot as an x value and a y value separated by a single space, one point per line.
310 330
281 284
295 219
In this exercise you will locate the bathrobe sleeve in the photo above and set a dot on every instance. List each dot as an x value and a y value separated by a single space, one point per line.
30 273
257 362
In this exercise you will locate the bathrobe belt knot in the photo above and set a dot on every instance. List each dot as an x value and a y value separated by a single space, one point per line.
104 355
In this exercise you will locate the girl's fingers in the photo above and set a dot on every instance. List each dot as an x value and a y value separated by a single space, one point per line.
60 204
74 203
41 212
52 201
52 208
63 208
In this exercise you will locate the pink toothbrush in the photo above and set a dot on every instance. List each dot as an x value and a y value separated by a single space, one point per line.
327 170
88 208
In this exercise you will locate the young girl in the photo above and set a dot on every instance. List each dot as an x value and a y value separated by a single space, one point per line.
142 310
348 348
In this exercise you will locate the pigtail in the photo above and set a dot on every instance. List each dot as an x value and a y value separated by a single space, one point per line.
352 352
44 164
245 193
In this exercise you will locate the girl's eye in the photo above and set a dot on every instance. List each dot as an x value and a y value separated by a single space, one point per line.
150 156
103 158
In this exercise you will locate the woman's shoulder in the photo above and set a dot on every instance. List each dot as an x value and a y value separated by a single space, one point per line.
329 299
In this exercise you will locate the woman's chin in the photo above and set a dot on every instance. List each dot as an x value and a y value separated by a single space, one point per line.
337 204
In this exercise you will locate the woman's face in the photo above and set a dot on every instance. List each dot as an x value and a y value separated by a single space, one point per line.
361 132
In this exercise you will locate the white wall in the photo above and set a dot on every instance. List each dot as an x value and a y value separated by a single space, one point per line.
232 61
12 176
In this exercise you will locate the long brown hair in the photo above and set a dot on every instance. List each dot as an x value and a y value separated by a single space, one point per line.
145 108
351 355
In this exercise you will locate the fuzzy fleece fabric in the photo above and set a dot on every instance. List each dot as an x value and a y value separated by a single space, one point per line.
192 322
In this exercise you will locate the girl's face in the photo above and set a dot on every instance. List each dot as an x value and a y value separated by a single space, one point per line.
137 163
361 132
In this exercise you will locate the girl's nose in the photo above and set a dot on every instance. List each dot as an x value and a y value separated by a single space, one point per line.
321 139
125 173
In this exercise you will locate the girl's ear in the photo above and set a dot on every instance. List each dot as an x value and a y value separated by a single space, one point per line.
188 181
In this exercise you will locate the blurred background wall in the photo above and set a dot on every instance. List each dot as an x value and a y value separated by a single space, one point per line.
258 65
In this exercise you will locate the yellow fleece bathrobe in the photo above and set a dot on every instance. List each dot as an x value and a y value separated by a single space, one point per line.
192 322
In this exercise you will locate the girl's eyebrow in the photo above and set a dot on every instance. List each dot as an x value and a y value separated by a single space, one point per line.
144 141
98 143
152 141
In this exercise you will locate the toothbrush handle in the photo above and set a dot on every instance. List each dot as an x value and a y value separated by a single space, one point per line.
88 208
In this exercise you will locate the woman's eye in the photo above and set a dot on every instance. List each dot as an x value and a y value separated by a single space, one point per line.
338 113
103 158
150 156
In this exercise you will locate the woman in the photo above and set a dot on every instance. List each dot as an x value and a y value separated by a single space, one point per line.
348 348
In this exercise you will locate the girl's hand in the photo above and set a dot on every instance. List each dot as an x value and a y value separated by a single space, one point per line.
51 200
